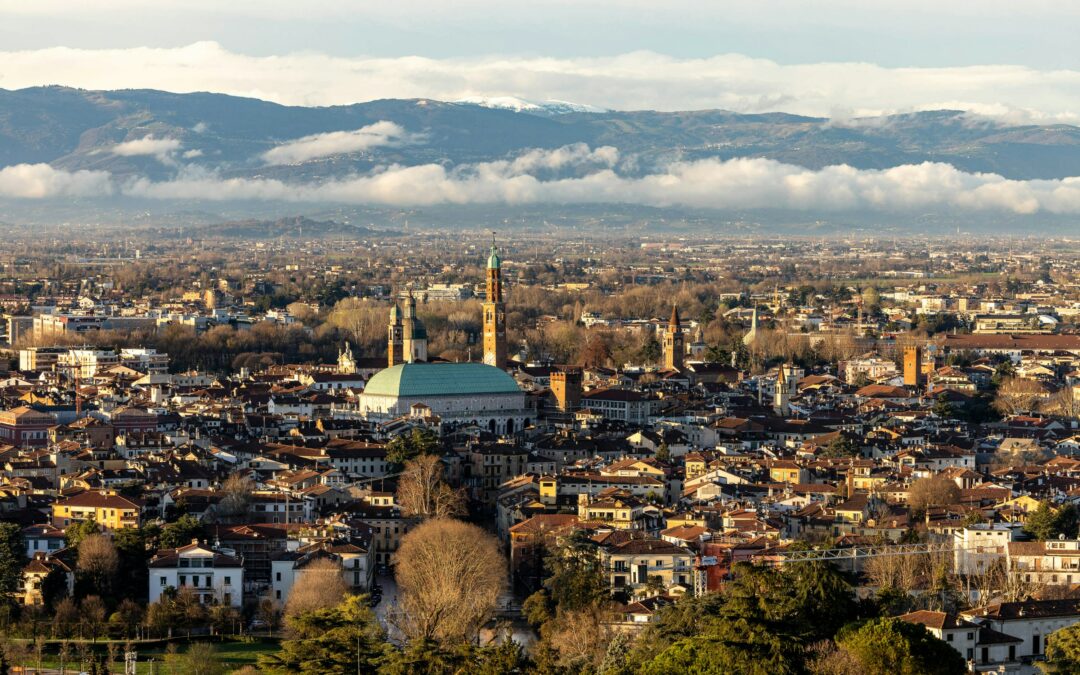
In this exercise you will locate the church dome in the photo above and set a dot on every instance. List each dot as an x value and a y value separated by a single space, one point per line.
494 262
440 379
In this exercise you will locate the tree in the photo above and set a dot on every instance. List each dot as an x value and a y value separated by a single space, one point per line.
12 560
92 615
423 493
1063 651
1018 395
936 490
650 351
320 585
76 531
891 646
576 580
133 548
871 299
841 446
943 408
403 447
1046 522
236 502
97 565
181 532
201 659
449 576
824 599
338 640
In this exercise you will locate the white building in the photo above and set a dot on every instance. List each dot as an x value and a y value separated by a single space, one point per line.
86 362
214 576
1028 624
1055 562
145 360
976 547
357 565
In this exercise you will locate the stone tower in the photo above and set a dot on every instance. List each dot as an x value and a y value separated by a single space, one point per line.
494 312
566 387
394 338
913 367
785 389
674 342
413 333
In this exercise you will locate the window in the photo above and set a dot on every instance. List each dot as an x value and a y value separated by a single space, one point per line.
949 637
278 577
164 582
228 581
183 580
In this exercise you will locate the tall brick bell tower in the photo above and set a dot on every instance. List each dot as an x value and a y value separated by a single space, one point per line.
494 312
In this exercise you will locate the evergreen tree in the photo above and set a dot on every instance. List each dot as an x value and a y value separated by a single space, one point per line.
12 560
890 646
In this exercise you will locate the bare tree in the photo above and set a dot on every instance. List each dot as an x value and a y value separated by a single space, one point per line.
1018 395
319 585
1065 403
449 575
423 493
236 501
936 490
98 562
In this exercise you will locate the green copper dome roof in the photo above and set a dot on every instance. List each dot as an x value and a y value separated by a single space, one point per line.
493 260
441 379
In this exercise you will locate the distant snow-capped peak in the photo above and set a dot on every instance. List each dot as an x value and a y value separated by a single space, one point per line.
550 106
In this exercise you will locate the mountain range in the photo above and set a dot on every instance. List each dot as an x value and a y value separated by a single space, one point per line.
77 129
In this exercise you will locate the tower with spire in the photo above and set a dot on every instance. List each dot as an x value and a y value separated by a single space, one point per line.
674 342
494 312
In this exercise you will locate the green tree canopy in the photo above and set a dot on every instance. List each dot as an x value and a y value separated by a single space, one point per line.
12 560
1046 522
1063 651
891 646
75 532
181 532
337 640
404 447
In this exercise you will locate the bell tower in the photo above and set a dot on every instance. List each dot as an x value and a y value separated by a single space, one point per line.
494 312
674 342
395 338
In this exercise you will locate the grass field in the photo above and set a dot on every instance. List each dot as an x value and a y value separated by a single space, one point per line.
234 655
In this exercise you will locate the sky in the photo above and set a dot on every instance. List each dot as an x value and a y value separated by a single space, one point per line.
841 59
831 58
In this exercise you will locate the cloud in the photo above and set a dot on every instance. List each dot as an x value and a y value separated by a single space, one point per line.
631 81
578 174
590 176
316 146
161 149
41 181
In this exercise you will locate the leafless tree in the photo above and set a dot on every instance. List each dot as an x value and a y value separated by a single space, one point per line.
98 561
423 493
236 501
449 576
1065 403
936 490
1018 395
579 638
319 585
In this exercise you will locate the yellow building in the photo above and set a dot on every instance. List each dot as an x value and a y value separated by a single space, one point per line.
110 510
786 471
